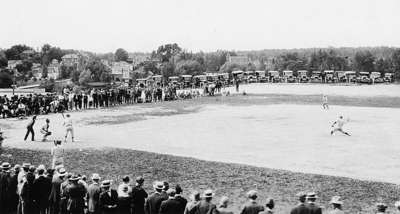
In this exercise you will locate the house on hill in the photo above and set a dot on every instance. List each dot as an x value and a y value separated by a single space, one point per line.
53 69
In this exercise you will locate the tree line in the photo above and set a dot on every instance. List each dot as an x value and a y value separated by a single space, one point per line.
171 59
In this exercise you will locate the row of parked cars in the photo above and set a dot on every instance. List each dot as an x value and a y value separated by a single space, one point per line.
303 76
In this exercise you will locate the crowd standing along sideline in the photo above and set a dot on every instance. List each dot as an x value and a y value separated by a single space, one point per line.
29 190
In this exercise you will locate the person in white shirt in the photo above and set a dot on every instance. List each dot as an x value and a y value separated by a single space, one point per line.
68 127
339 126
325 102
57 152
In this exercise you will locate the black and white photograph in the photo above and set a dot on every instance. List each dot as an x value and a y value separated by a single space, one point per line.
200 107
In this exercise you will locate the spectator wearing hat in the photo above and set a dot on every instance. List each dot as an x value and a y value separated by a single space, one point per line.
311 206
124 196
269 206
336 205
164 191
301 207
206 206
139 196
170 206
178 197
27 195
381 208
42 189
195 200
153 203
93 196
252 207
63 194
108 198
54 198
13 188
5 194
223 206
75 193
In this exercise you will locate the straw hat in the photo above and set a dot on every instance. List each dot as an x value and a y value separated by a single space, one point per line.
311 195
336 200
251 194
158 185
106 183
95 176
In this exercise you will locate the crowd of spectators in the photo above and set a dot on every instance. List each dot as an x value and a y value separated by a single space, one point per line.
72 100
29 190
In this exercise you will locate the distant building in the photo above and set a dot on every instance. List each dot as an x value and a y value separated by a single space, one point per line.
53 69
13 63
37 70
240 60
70 60
121 71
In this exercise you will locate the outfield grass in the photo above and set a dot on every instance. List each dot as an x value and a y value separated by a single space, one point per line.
232 180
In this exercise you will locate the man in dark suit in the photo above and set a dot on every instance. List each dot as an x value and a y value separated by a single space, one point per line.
75 193
311 206
54 198
301 207
42 189
93 196
252 207
5 194
139 196
153 203
178 197
108 198
206 206
170 206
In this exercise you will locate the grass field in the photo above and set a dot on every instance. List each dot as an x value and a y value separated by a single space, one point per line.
232 180
279 131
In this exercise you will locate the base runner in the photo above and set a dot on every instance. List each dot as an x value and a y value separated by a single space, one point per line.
339 126
68 127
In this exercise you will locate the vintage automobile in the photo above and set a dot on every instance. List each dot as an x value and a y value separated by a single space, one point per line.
237 75
376 77
329 76
302 76
142 82
250 76
186 81
316 77
157 79
388 77
174 81
274 76
340 76
363 77
350 76
288 76
199 80
261 77
224 78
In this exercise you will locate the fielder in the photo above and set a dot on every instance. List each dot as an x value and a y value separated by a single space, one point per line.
68 127
325 102
339 126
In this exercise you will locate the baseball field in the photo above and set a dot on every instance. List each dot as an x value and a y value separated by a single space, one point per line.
275 139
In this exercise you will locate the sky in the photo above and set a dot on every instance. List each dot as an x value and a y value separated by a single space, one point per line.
199 25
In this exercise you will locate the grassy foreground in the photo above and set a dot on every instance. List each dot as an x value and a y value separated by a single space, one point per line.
232 180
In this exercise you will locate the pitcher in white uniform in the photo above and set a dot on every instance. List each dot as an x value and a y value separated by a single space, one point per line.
68 127
339 126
